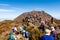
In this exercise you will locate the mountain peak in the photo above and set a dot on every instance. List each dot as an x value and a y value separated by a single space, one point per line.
41 14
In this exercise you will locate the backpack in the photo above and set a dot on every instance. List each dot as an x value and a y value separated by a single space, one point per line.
27 34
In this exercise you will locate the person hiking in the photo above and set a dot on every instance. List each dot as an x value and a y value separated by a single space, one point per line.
21 29
26 18
12 36
42 26
47 35
25 26
52 19
26 34
34 22
14 29
53 32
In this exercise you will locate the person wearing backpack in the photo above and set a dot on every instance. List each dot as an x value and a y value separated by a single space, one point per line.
21 29
26 34
12 36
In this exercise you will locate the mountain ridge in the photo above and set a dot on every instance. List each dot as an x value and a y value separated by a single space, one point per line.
40 13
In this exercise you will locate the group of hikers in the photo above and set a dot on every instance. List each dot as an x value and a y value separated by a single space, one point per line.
14 34
50 32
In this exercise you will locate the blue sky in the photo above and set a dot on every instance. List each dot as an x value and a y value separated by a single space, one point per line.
10 9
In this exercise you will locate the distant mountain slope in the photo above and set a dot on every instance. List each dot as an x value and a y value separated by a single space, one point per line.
57 22
41 14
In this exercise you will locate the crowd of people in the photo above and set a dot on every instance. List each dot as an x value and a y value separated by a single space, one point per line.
50 32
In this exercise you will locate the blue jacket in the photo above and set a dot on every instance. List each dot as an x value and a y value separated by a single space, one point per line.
46 37
10 37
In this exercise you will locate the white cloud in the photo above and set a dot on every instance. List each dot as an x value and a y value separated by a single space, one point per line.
4 5
6 10
57 16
